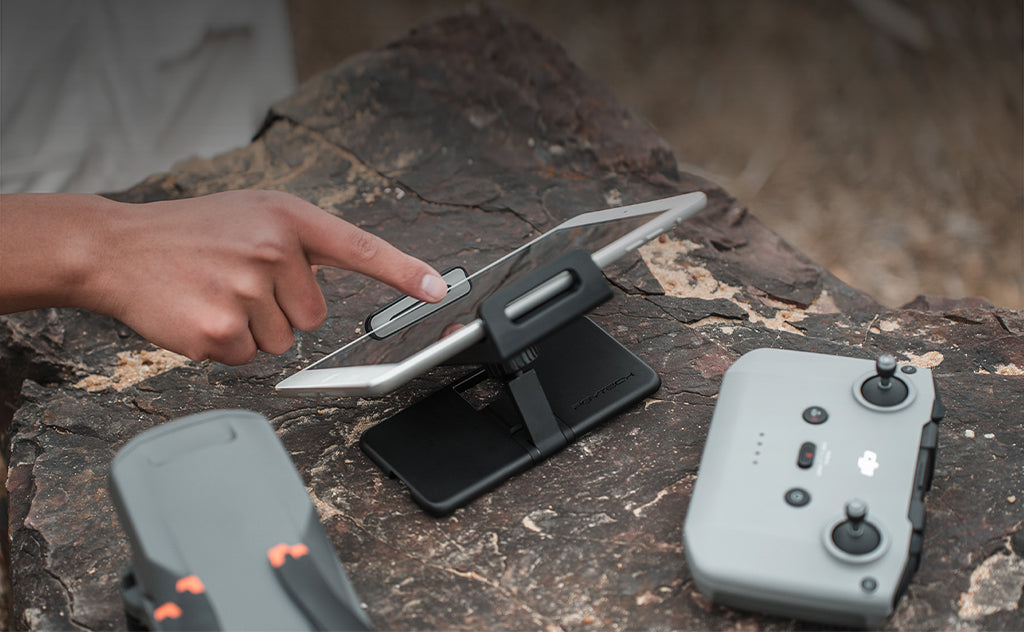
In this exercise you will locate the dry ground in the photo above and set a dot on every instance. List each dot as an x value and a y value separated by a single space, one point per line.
883 138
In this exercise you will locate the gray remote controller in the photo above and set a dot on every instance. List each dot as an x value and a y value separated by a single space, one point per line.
809 501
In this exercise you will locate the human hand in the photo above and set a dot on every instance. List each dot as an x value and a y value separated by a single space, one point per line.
220 276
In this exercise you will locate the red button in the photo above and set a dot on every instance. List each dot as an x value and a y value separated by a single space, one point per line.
806 457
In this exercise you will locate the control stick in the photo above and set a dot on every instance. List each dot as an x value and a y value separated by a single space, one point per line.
856 535
884 389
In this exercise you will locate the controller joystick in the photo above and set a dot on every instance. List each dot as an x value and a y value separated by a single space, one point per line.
886 367
884 389
856 535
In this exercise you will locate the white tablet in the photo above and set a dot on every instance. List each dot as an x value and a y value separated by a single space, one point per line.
407 337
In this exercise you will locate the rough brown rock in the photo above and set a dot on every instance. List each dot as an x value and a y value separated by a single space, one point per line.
455 143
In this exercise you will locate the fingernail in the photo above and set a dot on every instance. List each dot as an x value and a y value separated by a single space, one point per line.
434 287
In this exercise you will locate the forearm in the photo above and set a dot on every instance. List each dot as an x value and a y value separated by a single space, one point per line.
218 276
50 248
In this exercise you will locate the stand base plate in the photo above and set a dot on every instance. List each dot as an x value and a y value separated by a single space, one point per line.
448 452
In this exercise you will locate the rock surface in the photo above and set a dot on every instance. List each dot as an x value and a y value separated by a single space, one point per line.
456 143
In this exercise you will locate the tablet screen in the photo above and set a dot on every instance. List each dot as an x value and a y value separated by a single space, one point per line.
399 340
471 292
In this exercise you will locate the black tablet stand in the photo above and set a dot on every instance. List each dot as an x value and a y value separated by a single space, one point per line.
558 375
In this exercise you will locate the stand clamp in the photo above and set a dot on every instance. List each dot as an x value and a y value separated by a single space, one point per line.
559 373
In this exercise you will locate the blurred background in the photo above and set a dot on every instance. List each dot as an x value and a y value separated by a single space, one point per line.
883 138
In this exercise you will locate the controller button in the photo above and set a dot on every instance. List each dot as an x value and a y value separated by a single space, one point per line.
926 459
916 546
938 409
925 470
868 584
805 459
798 497
916 511
815 415
909 369
930 436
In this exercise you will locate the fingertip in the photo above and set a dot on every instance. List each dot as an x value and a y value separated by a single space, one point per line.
434 288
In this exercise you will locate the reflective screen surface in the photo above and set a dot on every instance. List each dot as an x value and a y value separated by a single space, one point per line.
396 346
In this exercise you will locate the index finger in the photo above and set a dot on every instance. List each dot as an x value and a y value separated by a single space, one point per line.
330 240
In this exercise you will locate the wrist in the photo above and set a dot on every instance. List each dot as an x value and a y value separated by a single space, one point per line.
94 242
54 247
